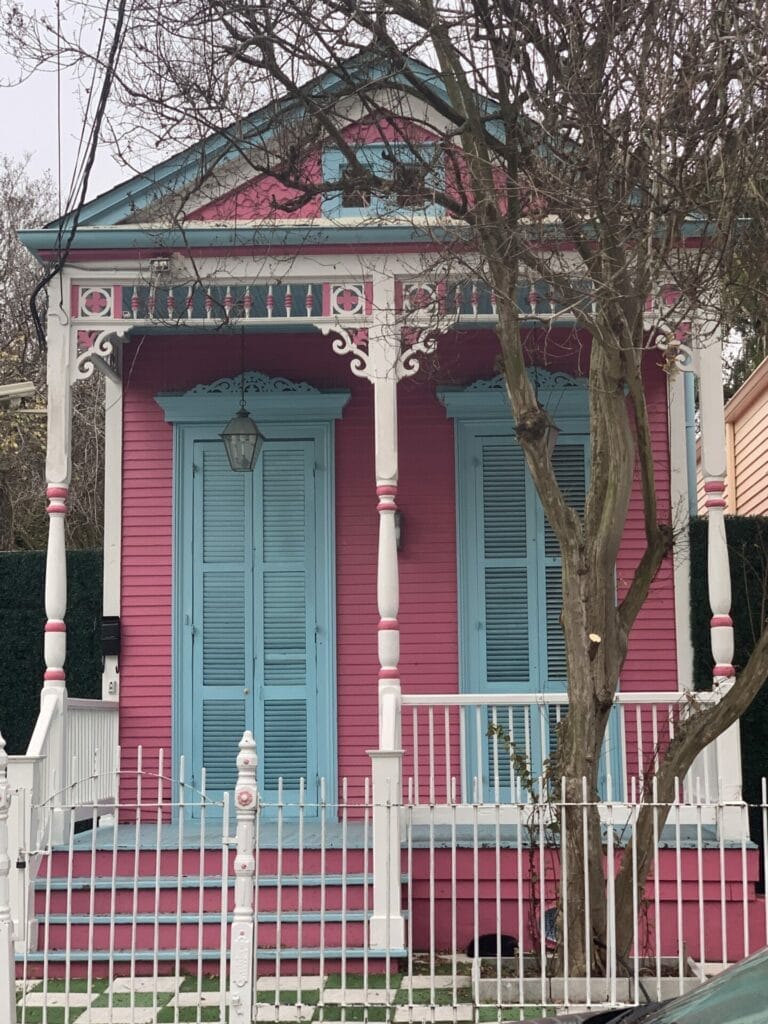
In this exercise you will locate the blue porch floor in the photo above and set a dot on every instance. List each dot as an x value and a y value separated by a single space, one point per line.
331 836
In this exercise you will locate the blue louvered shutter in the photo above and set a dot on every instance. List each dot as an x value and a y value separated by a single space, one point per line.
284 587
504 556
569 463
222 613
504 563
516 567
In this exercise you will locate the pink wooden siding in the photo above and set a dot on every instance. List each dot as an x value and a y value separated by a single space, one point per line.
651 662
428 614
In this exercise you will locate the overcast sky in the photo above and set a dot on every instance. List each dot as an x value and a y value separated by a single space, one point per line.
28 125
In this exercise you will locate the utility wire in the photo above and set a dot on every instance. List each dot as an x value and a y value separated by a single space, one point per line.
63 251
91 92
58 103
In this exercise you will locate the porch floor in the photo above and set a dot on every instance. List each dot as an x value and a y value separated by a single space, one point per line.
331 835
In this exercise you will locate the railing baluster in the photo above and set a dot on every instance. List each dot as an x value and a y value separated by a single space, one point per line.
431 736
447 742
415 720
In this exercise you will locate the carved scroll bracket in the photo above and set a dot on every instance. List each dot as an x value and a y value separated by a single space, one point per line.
349 342
678 356
384 354
100 353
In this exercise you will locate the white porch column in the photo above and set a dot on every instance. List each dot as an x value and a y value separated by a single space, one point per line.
49 736
383 360
714 467
387 574
387 926
58 472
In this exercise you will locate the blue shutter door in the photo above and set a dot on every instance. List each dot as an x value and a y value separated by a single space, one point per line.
503 562
222 652
284 585
254 617
506 563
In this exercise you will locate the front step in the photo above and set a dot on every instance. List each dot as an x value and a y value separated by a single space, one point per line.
146 962
138 902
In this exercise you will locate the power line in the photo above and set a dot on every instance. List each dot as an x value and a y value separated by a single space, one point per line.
63 250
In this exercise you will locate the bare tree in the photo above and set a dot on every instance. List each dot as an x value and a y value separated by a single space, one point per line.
24 201
604 148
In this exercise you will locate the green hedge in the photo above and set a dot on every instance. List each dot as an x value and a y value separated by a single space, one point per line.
748 548
22 617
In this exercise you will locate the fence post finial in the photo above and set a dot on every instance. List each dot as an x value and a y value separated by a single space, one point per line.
7 959
243 924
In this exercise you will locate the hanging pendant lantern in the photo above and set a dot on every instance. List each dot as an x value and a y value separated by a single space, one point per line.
242 441
242 438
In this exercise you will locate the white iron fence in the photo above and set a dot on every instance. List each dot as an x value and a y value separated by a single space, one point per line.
166 906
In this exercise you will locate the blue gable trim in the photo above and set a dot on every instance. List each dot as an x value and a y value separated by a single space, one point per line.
141 241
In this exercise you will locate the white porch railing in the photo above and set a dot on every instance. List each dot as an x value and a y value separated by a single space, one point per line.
484 748
92 752
70 767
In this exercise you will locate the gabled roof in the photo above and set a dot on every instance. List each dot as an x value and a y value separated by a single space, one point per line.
125 200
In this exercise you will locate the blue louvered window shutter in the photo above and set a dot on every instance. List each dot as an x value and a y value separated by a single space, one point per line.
505 564
284 588
570 465
515 582
223 611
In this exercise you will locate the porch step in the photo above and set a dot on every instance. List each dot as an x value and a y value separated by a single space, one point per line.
209 918
169 895
58 882
79 963
122 933
298 915
213 955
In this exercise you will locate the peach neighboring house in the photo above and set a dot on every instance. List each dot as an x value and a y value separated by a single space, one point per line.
746 427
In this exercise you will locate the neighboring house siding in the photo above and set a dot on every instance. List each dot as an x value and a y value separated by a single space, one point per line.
746 428
428 613
749 449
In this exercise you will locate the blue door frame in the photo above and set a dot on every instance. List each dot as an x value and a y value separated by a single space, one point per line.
254 588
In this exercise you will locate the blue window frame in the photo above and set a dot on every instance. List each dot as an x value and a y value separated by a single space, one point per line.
510 586
414 171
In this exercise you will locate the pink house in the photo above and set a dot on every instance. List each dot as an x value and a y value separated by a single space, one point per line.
381 587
